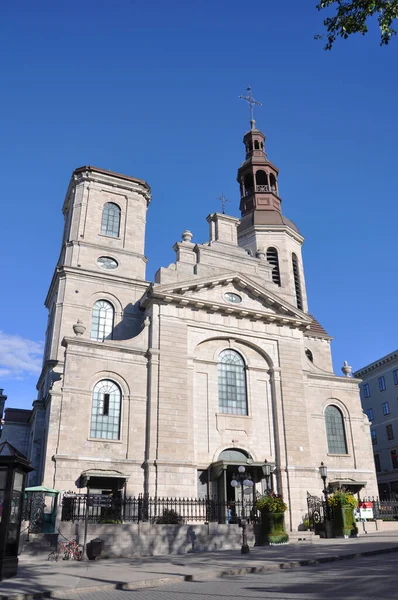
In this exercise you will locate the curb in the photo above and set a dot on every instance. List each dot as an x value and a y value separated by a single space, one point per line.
152 583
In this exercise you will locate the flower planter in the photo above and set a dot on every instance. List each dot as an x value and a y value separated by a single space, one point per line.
273 527
344 521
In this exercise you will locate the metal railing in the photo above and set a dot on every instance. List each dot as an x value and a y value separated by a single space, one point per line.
105 509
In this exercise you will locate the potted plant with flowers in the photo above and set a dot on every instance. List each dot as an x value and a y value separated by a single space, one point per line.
343 505
272 509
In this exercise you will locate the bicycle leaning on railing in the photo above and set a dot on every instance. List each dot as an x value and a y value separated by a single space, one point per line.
70 551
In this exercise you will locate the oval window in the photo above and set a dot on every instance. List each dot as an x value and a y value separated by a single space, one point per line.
231 297
106 262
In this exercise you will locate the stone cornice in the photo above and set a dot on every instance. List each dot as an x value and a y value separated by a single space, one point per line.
333 377
272 229
378 363
111 345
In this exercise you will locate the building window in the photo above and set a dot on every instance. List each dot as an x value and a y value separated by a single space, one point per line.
395 373
366 390
335 432
394 458
382 383
309 355
110 224
390 432
273 260
386 408
232 383
377 463
297 285
373 436
105 415
369 412
102 321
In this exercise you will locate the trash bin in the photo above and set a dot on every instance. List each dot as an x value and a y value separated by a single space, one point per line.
94 548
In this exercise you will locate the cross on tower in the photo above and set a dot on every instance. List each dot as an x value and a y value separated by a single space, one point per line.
251 102
223 200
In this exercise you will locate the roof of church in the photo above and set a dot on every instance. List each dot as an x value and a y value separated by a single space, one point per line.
316 328
112 173
266 217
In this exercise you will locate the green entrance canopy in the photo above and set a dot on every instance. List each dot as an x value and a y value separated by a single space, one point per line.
41 488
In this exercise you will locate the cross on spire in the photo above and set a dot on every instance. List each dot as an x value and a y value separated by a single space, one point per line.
251 102
223 200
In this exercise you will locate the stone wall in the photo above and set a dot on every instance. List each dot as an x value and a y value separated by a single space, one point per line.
144 539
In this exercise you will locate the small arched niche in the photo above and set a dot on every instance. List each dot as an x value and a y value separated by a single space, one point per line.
309 355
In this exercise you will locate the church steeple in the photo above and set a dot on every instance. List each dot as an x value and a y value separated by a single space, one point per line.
258 177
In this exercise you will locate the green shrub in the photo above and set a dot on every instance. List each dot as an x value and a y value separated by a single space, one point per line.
169 517
341 498
271 503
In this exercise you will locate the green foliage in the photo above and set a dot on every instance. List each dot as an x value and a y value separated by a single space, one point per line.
341 498
169 517
278 538
352 16
306 523
110 521
271 503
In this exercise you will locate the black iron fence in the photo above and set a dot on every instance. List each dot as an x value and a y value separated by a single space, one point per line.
106 509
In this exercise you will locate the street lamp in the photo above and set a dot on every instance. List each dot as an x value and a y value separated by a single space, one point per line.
243 479
266 467
323 470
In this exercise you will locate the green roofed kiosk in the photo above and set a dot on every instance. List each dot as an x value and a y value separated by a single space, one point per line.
13 469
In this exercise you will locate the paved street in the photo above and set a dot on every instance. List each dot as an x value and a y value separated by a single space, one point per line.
360 579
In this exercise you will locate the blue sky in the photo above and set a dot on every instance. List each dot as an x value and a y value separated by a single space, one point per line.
151 89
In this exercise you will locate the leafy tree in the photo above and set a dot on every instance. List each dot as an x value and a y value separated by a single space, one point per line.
352 16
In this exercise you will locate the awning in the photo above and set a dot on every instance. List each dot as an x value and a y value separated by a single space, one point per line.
41 488
352 485
98 477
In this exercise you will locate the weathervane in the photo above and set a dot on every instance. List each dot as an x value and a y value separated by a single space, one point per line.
223 200
251 102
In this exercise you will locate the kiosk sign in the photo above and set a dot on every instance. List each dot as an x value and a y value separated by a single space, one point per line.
366 510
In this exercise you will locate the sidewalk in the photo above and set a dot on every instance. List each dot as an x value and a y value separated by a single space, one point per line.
66 579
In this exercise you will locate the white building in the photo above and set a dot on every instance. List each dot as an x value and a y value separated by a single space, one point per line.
166 387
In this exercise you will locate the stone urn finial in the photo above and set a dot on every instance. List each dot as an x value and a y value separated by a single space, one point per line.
260 253
346 369
79 328
187 236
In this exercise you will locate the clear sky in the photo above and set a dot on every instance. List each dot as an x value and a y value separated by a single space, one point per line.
151 89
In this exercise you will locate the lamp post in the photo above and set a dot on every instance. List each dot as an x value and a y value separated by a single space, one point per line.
266 467
323 470
242 478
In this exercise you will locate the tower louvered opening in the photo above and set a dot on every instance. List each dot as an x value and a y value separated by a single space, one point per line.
272 258
297 286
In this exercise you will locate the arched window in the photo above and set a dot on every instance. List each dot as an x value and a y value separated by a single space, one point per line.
272 258
249 184
256 145
297 286
110 224
335 432
232 383
262 179
309 354
272 182
106 409
102 321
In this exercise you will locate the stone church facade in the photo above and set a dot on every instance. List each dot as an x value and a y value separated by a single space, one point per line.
166 387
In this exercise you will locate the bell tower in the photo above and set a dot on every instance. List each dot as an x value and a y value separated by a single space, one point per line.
263 230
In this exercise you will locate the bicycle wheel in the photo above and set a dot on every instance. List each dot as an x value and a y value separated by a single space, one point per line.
53 556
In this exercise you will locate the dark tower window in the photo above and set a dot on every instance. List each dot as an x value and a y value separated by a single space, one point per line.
262 179
256 145
272 258
249 184
297 286
272 182
309 355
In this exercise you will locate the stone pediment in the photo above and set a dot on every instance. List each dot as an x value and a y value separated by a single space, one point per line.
253 301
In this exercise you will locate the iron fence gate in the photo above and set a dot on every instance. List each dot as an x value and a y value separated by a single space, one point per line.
319 512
